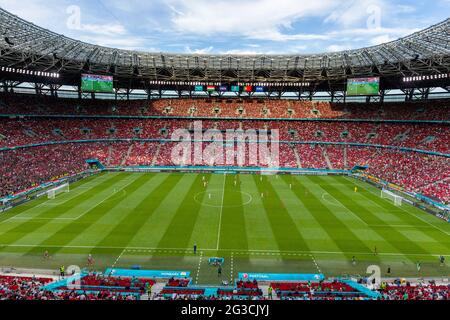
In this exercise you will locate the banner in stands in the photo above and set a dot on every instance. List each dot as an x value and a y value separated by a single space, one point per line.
280 277
158 274
379 181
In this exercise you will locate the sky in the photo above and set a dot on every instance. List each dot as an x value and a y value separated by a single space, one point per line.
233 26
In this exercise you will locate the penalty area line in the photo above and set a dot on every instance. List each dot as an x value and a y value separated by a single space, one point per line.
234 251
118 258
316 264
108 198
199 267
367 188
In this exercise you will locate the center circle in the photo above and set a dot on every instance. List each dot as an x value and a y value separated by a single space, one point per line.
214 198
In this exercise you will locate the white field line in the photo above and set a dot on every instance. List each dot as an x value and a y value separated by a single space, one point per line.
398 226
104 200
49 203
221 212
31 218
232 268
118 258
411 214
316 264
343 206
44 204
72 194
199 267
75 218
235 251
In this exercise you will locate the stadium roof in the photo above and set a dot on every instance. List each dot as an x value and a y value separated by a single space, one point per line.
27 46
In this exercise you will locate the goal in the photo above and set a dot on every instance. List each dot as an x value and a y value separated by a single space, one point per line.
55 191
386 194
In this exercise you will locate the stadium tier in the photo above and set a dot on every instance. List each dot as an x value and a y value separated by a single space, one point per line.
130 175
69 141
100 287
437 110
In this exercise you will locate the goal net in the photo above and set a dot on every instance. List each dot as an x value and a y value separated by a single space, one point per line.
386 194
55 191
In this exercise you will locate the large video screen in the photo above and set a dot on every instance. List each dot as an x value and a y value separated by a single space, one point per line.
96 83
363 87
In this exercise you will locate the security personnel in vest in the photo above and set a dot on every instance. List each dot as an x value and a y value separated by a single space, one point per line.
62 271
270 291
149 290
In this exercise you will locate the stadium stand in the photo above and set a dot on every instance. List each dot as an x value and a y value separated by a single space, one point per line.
315 291
21 288
13 104
101 287
134 203
415 171
402 290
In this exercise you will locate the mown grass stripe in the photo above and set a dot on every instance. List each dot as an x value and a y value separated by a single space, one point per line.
389 234
101 228
132 222
439 225
183 221
69 232
34 204
259 233
306 221
30 226
209 215
233 232
283 227
366 197
340 234
407 219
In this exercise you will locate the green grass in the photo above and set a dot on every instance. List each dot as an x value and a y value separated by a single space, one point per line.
153 220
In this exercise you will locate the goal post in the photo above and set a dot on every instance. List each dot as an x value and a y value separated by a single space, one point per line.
386 194
52 193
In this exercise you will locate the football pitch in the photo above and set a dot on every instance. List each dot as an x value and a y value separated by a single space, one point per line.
270 224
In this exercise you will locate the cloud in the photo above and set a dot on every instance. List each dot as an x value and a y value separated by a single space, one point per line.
126 43
52 14
381 39
243 52
337 47
405 8
357 12
199 51
261 19
278 36
36 11
234 26
104 29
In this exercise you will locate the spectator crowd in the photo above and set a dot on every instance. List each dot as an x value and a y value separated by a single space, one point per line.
62 145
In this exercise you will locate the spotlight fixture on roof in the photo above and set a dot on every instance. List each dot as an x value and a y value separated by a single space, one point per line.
427 77
31 72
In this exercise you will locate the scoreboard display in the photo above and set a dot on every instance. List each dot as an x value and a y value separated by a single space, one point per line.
363 87
96 83
230 88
